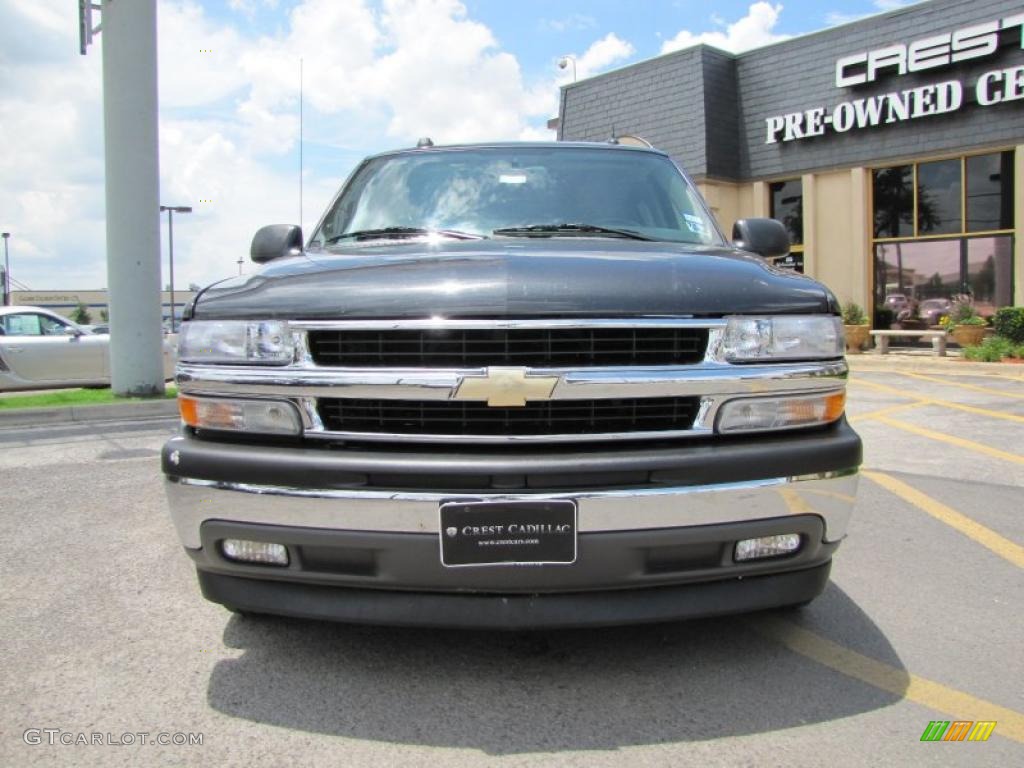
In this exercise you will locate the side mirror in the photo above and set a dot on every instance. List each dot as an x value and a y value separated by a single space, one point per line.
274 241
72 331
765 237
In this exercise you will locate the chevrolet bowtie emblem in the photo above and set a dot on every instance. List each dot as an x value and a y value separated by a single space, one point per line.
506 387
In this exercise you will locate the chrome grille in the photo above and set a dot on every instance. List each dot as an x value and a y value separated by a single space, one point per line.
555 417
527 347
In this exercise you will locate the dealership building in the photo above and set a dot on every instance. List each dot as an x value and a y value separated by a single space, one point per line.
892 148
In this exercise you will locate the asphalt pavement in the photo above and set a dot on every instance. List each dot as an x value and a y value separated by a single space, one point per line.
105 634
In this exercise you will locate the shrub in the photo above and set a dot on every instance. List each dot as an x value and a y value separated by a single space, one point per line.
1009 323
991 350
81 314
853 314
962 312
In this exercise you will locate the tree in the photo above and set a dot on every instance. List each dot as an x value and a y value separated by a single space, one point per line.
81 314
105 316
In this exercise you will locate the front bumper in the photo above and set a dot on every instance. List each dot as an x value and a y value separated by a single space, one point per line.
516 612
657 528
621 489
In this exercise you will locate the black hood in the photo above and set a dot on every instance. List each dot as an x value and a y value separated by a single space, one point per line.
514 278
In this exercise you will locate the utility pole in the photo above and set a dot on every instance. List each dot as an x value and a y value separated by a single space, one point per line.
7 271
171 210
132 165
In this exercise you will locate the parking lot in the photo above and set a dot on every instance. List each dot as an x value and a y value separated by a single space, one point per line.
105 631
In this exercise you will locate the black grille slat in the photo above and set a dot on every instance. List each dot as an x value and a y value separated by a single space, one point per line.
528 347
556 417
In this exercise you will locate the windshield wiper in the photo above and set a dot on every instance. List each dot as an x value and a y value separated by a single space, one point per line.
546 230
392 232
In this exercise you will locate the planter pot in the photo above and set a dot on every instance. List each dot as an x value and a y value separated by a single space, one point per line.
856 337
968 335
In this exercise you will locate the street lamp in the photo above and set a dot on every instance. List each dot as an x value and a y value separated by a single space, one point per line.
171 210
7 271
564 62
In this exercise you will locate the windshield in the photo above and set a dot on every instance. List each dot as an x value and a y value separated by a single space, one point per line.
538 190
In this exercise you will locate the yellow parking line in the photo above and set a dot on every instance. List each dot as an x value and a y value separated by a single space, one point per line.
955 703
933 401
795 503
988 413
1002 546
884 388
830 494
952 440
986 390
885 411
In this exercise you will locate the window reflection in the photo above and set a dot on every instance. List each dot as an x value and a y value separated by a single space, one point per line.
894 201
938 198
917 279
989 272
787 205
908 274
990 192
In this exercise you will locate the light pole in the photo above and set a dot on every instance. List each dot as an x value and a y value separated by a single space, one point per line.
171 210
564 62
7 272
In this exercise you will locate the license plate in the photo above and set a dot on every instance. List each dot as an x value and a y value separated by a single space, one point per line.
508 533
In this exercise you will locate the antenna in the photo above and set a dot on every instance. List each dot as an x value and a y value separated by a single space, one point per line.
300 143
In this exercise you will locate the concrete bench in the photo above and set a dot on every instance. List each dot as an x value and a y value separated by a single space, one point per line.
938 339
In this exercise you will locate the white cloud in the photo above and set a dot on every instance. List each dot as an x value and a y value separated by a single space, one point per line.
573 21
834 18
377 74
609 50
751 31
542 98
198 59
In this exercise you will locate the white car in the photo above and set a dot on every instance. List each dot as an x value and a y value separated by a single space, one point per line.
39 349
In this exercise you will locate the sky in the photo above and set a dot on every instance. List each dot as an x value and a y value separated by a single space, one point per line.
376 75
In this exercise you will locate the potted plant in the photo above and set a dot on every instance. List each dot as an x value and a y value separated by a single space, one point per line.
964 323
855 325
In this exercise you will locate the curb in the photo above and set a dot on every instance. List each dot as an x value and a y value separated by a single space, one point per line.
943 366
79 414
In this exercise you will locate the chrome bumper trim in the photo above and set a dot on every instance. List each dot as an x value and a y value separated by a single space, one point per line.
829 495
707 379
486 324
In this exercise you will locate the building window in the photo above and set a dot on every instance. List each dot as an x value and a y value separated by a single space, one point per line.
787 205
989 194
894 201
939 198
941 229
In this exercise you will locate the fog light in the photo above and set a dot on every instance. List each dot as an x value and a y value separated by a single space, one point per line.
767 546
245 551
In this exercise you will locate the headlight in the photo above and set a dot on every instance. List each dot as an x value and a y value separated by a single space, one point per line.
783 337
762 414
265 342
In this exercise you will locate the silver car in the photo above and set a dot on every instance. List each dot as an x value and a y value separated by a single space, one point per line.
39 349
